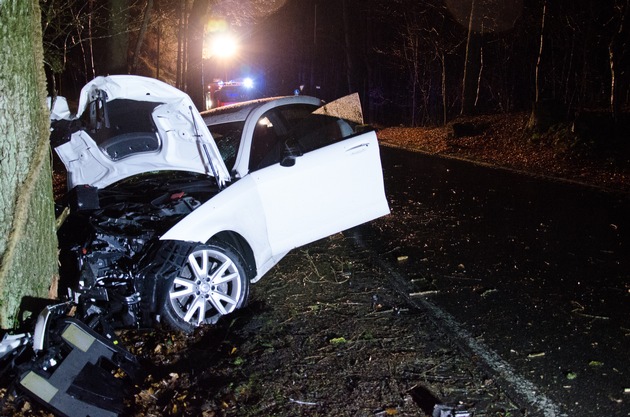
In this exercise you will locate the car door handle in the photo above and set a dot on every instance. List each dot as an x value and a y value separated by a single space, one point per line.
358 148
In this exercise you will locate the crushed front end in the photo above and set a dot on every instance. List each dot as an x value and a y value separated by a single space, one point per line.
111 237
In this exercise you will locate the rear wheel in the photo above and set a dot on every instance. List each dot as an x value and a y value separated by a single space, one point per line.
211 283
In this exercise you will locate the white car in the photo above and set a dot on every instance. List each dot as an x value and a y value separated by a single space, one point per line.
174 213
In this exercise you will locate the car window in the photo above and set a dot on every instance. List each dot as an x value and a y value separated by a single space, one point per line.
272 131
266 138
227 136
319 130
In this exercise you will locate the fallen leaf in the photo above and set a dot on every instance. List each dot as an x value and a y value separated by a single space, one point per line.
338 341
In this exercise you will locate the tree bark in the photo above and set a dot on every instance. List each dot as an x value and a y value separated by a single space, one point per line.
180 44
28 254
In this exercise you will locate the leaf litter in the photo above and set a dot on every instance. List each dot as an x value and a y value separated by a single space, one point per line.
308 343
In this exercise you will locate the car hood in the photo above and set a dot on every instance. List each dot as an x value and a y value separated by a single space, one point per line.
128 125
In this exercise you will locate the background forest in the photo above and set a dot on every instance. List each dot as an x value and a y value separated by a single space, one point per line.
413 62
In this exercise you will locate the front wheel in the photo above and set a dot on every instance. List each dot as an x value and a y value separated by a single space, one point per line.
211 283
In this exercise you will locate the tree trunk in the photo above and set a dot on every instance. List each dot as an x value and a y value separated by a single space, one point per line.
348 47
143 31
196 23
467 85
444 99
540 51
91 38
537 120
159 40
28 254
118 43
180 44
412 59
616 49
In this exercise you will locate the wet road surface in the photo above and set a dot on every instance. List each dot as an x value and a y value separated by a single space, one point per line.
534 270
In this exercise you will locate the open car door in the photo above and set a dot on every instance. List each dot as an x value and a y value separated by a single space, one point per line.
329 179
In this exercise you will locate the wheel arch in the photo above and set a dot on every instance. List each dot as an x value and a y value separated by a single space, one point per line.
240 244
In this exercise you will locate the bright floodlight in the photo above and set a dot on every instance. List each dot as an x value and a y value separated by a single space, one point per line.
224 46
248 83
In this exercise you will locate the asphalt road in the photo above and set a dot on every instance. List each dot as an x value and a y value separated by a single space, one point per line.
530 275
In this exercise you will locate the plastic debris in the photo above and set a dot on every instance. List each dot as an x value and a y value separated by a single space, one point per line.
69 367
442 410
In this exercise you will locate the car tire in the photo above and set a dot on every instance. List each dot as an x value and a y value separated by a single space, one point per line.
211 283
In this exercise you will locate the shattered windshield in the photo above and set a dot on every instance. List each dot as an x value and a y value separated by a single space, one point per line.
227 136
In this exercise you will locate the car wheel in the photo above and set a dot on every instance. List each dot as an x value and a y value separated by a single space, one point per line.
211 283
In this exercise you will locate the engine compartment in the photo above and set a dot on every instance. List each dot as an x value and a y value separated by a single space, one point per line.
112 234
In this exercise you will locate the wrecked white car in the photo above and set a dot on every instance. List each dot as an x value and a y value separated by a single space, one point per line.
174 213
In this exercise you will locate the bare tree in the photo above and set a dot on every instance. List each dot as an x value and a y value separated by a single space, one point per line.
118 45
348 46
194 66
233 12
540 52
143 30
467 103
411 53
181 43
66 27
536 117
616 52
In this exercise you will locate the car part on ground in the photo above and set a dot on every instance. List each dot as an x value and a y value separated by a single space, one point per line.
68 367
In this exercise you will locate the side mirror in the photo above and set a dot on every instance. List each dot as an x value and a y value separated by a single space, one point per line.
290 153
287 161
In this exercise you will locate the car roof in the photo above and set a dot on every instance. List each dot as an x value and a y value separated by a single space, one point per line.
238 112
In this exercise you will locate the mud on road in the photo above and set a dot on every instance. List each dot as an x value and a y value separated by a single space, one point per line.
326 333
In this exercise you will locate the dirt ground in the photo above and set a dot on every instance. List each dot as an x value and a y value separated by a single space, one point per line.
327 332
